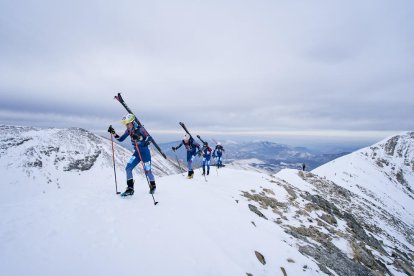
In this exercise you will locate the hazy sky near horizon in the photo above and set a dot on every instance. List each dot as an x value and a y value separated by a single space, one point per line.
330 67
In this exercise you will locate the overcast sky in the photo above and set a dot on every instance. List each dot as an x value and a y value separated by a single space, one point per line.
239 67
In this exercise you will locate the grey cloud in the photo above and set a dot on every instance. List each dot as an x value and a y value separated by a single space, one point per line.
220 65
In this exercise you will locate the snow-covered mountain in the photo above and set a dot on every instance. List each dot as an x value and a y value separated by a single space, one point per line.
382 173
49 157
238 222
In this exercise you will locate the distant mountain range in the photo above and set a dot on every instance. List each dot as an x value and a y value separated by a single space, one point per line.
263 155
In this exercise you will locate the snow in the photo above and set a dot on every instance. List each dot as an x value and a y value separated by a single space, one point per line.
71 222
360 173
196 229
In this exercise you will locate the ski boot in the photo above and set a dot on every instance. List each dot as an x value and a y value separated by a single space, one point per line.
152 187
190 175
130 189
208 172
204 171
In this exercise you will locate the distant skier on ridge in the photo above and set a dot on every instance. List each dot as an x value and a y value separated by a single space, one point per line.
192 148
218 152
140 140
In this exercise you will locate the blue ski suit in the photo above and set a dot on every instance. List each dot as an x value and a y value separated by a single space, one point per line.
144 154
192 148
218 151
206 157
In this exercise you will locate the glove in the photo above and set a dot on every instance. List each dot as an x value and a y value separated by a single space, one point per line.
174 148
147 143
111 130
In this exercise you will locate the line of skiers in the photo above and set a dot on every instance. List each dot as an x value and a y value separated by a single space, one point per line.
140 140
193 149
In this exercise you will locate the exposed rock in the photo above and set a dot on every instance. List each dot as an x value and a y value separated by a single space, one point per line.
390 145
404 266
265 201
256 211
268 191
37 163
289 260
329 219
314 234
335 260
291 192
49 150
322 203
360 233
13 142
365 257
283 271
260 257
83 164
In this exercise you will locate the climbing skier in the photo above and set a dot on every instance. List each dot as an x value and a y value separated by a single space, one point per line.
218 152
192 148
140 141
206 151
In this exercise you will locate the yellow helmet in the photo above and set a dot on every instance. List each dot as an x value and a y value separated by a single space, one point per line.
129 118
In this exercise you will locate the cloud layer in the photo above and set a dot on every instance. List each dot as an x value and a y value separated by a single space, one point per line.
218 65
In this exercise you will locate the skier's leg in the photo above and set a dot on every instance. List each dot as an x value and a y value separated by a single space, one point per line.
189 163
150 175
191 171
208 167
204 166
132 163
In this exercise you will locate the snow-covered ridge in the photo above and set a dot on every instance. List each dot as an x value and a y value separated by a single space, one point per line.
51 154
238 222
382 173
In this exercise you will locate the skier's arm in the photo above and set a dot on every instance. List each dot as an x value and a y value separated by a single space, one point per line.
177 147
122 138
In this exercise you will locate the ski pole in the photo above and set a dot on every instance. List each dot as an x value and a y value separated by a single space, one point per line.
143 167
217 165
179 165
113 160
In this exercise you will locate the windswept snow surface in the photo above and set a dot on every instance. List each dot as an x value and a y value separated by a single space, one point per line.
197 228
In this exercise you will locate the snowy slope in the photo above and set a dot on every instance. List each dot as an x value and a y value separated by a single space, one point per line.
67 220
197 228
382 173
